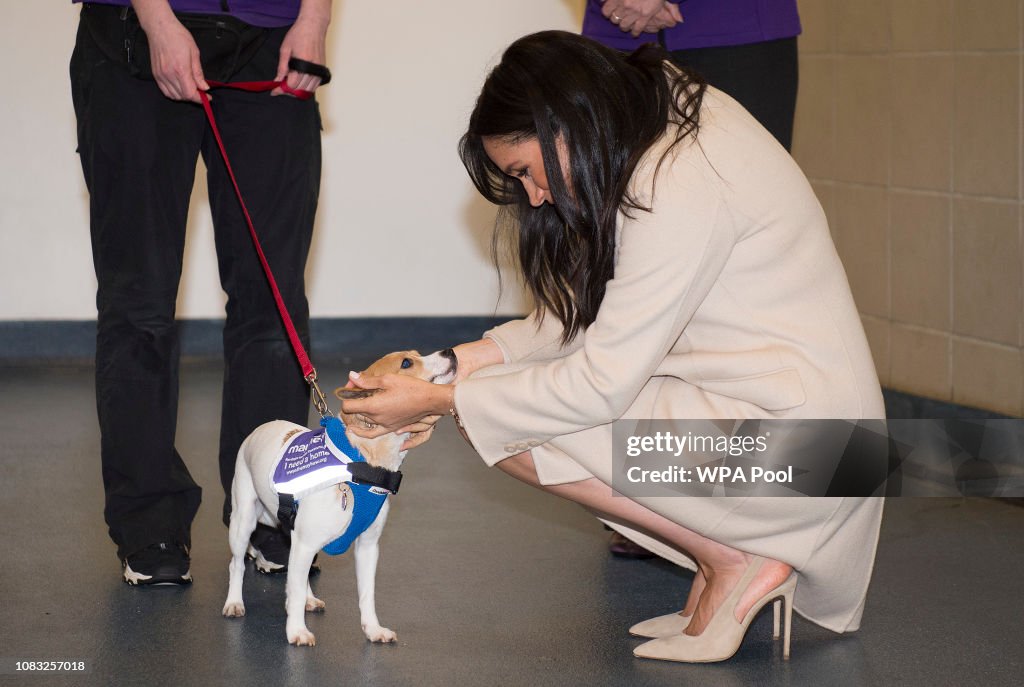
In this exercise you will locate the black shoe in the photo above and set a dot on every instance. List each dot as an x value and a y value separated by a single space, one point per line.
620 547
161 563
269 548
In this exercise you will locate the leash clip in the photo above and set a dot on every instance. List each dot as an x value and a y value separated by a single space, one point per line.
319 400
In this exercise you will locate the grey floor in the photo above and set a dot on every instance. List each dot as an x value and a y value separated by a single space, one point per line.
486 581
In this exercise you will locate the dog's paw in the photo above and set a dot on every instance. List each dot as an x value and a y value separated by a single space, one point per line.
302 637
234 609
380 634
314 605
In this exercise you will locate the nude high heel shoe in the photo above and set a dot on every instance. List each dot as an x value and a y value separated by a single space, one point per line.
662 626
674 624
723 635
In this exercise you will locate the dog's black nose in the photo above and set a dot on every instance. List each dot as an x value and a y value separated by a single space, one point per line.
453 361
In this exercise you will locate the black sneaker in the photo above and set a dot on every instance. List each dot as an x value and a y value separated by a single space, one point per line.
158 564
269 548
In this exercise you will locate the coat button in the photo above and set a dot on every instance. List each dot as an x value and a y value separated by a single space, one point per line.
510 449
533 443
522 446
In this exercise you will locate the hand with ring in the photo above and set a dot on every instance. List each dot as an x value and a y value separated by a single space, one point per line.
640 16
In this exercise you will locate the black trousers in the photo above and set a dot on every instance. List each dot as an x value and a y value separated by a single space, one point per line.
139 152
762 77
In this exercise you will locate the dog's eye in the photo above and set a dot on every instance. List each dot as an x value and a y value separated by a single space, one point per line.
406 363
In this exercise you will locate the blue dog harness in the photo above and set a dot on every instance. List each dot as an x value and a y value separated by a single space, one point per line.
322 458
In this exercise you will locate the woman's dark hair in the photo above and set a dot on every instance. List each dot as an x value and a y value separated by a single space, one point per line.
608 108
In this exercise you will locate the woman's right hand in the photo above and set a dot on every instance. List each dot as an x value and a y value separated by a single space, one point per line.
173 52
406 404
640 16
667 17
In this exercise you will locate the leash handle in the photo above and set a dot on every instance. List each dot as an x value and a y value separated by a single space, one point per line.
307 67
308 371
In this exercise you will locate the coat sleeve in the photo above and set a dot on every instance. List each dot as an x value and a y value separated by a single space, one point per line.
668 260
531 339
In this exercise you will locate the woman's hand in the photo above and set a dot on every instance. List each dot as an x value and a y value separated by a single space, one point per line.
400 403
306 40
172 52
420 432
406 404
637 16
666 18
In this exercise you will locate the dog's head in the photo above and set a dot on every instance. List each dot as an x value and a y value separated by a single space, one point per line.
436 368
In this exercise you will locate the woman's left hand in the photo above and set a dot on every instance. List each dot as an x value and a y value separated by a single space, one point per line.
420 432
632 16
399 404
306 40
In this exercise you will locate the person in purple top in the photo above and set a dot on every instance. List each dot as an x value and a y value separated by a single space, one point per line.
746 48
136 72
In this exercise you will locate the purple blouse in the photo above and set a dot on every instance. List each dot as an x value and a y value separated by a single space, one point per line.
706 23
268 13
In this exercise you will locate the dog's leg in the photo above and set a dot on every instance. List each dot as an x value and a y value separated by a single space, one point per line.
245 508
296 589
366 552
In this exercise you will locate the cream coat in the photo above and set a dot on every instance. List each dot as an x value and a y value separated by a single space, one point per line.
728 301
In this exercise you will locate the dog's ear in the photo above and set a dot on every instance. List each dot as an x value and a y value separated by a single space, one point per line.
349 394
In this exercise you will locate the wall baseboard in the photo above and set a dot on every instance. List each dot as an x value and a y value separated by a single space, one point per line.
903 406
73 342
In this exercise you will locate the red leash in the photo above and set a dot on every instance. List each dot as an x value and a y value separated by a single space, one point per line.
308 371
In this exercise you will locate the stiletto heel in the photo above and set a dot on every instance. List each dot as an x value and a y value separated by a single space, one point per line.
723 635
789 621
775 619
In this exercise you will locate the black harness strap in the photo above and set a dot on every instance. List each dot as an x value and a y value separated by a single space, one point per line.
287 509
363 473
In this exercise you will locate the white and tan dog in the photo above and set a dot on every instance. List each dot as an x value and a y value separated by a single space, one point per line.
323 515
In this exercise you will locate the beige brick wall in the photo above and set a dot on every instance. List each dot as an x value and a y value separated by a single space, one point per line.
909 125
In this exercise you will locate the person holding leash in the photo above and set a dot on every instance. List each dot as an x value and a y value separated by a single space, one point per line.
136 73
682 268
